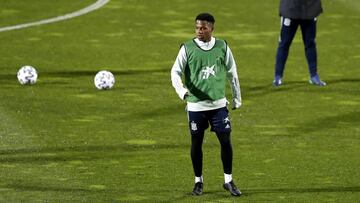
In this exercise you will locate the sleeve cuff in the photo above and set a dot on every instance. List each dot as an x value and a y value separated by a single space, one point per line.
182 93
236 103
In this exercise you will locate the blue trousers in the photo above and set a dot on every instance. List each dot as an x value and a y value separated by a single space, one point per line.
288 30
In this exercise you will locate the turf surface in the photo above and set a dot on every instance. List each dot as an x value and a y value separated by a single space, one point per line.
62 140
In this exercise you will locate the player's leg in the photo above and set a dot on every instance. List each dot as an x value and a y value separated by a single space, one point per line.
221 125
197 124
226 153
308 30
197 155
197 161
287 33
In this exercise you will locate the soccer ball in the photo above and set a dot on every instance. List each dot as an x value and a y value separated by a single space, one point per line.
104 80
27 75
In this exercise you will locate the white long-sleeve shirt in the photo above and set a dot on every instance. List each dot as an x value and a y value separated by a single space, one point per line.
179 67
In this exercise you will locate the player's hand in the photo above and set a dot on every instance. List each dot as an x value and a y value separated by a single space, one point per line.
236 103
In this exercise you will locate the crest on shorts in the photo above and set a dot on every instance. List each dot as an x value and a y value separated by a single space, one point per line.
193 126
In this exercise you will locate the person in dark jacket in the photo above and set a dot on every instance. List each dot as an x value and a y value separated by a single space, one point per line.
295 13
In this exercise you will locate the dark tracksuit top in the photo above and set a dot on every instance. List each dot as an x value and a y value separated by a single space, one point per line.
300 9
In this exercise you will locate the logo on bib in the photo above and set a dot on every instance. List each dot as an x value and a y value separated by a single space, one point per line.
208 71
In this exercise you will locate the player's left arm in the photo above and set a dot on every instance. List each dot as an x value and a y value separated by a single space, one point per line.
177 72
232 77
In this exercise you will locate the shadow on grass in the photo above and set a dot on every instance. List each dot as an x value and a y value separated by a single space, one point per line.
80 153
222 194
207 196
249 192
7 77
343 80
261 90
326 123
20 186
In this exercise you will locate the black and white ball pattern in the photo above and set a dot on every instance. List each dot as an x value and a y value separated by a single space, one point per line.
104 80
27 75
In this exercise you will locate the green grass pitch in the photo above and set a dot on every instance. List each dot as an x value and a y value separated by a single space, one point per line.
62 140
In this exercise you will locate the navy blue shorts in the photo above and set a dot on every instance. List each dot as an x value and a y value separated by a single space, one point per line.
218 119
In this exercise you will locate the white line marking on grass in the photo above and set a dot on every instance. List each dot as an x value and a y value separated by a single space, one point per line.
98 4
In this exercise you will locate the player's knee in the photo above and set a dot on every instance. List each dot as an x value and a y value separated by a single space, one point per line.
224 138
310 44
197 138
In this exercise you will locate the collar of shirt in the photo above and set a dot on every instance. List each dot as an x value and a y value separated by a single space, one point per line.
205 45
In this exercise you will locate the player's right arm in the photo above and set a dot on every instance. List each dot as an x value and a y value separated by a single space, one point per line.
177 72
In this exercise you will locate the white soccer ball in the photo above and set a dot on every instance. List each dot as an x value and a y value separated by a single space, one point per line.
104 80
27 75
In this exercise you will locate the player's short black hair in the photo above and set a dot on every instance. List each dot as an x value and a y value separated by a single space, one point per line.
205 17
